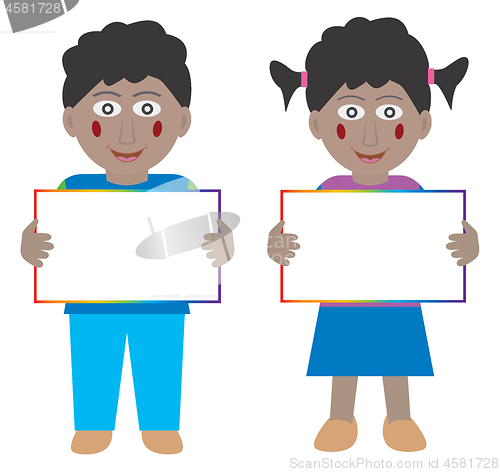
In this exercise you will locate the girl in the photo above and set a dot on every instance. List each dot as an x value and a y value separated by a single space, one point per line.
369 96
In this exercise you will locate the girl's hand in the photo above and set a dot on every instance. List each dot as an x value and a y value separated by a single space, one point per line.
34 245
280 245
220 245
465 245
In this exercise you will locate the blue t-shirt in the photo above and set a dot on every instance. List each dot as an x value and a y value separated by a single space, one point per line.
171 182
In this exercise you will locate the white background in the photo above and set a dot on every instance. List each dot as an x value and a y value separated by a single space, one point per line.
247 404
109 268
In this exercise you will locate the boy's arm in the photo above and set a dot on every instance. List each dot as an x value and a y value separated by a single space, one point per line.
34 245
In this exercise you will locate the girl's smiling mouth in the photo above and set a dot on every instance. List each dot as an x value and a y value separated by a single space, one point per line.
127 157
370 158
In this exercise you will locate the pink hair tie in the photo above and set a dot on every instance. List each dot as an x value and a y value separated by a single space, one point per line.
303 78
430 76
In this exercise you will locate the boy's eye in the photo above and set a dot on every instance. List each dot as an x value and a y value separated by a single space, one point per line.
107 108
389 112
146 108
351 112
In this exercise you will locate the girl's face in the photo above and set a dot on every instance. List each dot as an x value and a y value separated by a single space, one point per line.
370 131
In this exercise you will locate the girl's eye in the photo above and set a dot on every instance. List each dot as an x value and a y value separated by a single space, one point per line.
107 108
351 112
389 112
146 108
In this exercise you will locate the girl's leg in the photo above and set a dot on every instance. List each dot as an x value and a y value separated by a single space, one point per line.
400 431
343 398
340 430
397 398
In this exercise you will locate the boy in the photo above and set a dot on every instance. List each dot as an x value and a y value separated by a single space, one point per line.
126 99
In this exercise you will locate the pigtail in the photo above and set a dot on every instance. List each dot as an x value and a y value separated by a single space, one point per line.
286 79
448 78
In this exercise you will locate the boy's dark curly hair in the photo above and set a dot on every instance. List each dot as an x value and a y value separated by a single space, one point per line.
130 52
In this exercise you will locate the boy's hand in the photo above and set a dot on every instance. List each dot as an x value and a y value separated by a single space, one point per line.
34 245
465 245
280 245
220 245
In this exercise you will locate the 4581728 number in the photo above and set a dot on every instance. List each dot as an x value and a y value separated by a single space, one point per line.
38 7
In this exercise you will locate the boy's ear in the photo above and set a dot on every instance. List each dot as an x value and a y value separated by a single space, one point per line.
68 121
185 121
314 124
425 116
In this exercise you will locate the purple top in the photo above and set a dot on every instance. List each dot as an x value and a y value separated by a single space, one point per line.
345 182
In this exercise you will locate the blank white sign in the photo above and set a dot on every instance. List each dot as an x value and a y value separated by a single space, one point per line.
95 236
373 246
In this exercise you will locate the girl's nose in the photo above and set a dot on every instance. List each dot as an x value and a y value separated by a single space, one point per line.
370 137
127 135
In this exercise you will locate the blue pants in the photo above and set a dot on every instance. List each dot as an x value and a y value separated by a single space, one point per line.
97 349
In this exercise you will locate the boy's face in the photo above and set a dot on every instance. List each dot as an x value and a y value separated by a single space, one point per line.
127 128
370 131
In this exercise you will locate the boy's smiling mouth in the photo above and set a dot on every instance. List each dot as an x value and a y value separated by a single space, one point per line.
127 157
370 158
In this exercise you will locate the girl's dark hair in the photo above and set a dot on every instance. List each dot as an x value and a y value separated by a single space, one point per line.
372 52
130 52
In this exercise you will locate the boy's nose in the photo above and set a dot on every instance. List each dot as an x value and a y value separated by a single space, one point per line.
370 137
127 135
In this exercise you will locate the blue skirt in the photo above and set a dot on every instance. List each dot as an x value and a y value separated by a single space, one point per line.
362 341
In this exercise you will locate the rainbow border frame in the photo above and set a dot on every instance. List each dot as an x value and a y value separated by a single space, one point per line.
282 300
219 298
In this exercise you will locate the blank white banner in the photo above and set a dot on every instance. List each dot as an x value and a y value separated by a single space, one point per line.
96 235
373 246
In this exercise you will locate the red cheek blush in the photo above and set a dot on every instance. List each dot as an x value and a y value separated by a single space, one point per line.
341 131
399 131
96 129
157 128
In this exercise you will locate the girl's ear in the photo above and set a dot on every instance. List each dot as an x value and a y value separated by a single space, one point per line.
314 124
426 124
68 121
185 121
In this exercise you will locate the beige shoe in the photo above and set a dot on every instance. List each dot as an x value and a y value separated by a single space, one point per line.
404 435
336 435
162 442
91 442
